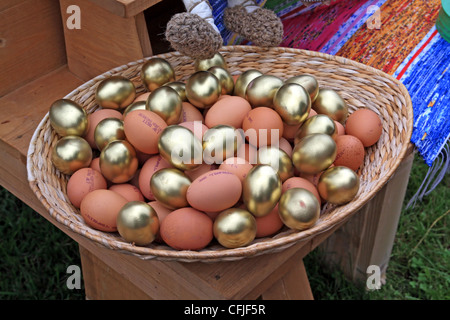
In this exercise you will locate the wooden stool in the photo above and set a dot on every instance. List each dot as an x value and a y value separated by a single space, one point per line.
115 32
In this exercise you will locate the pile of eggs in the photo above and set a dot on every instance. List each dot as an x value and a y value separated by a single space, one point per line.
215 158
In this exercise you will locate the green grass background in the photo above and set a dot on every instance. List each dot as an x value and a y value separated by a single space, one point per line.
34 254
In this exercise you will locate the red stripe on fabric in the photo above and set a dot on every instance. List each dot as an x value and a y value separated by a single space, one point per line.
400 75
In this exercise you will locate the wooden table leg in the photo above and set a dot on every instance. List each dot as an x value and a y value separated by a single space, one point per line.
293 286
367 237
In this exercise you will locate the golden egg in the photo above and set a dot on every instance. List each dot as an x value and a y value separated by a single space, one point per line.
338 185
179 87
108 130
299 208
203 89
169 186
261 190
165 102
179 146
314 153
277 159
261 90
308 82
156 72
319 123
115 92
219 143
292 103
225 79
137 105
137 223
68 118
329 102
204 64
234 228
71 153
118 161
240 87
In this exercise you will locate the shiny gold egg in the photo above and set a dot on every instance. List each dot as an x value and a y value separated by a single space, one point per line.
71 153
219 143
308 82
156 72
169 186
216 61
319 123
277 159
138 223
234 228
68 118
225 79
118 161
179 146
299 208
108 130
115 92
329 102
240 86
292 103
261 90
338 185
165 102
314 153
179 87
203 89
261 190
137 105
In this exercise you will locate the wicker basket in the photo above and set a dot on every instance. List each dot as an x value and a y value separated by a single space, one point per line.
360 85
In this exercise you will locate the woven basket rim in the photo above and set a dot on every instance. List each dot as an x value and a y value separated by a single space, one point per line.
276 243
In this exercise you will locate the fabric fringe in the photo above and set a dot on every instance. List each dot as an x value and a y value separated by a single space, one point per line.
434 176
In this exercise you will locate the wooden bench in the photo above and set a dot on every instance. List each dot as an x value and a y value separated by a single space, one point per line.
42 60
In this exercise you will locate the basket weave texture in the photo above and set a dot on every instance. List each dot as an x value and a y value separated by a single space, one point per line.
361 86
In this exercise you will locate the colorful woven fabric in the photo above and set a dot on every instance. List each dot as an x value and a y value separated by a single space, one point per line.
405 45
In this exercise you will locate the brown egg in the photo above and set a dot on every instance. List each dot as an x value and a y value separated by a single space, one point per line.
228 111
350 152
142 97
162 212
339 128
95 164
142 129
190 113
238 166
269 224
366 125
128 191
82 182
99 209
298 182
155 163
262 126
94 119
187 229
214 191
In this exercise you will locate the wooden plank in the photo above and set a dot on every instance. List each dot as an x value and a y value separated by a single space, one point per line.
104 283
368 237
144 37
32 42
125 8
293 286
104 41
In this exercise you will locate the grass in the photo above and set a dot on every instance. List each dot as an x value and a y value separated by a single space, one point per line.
34 254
